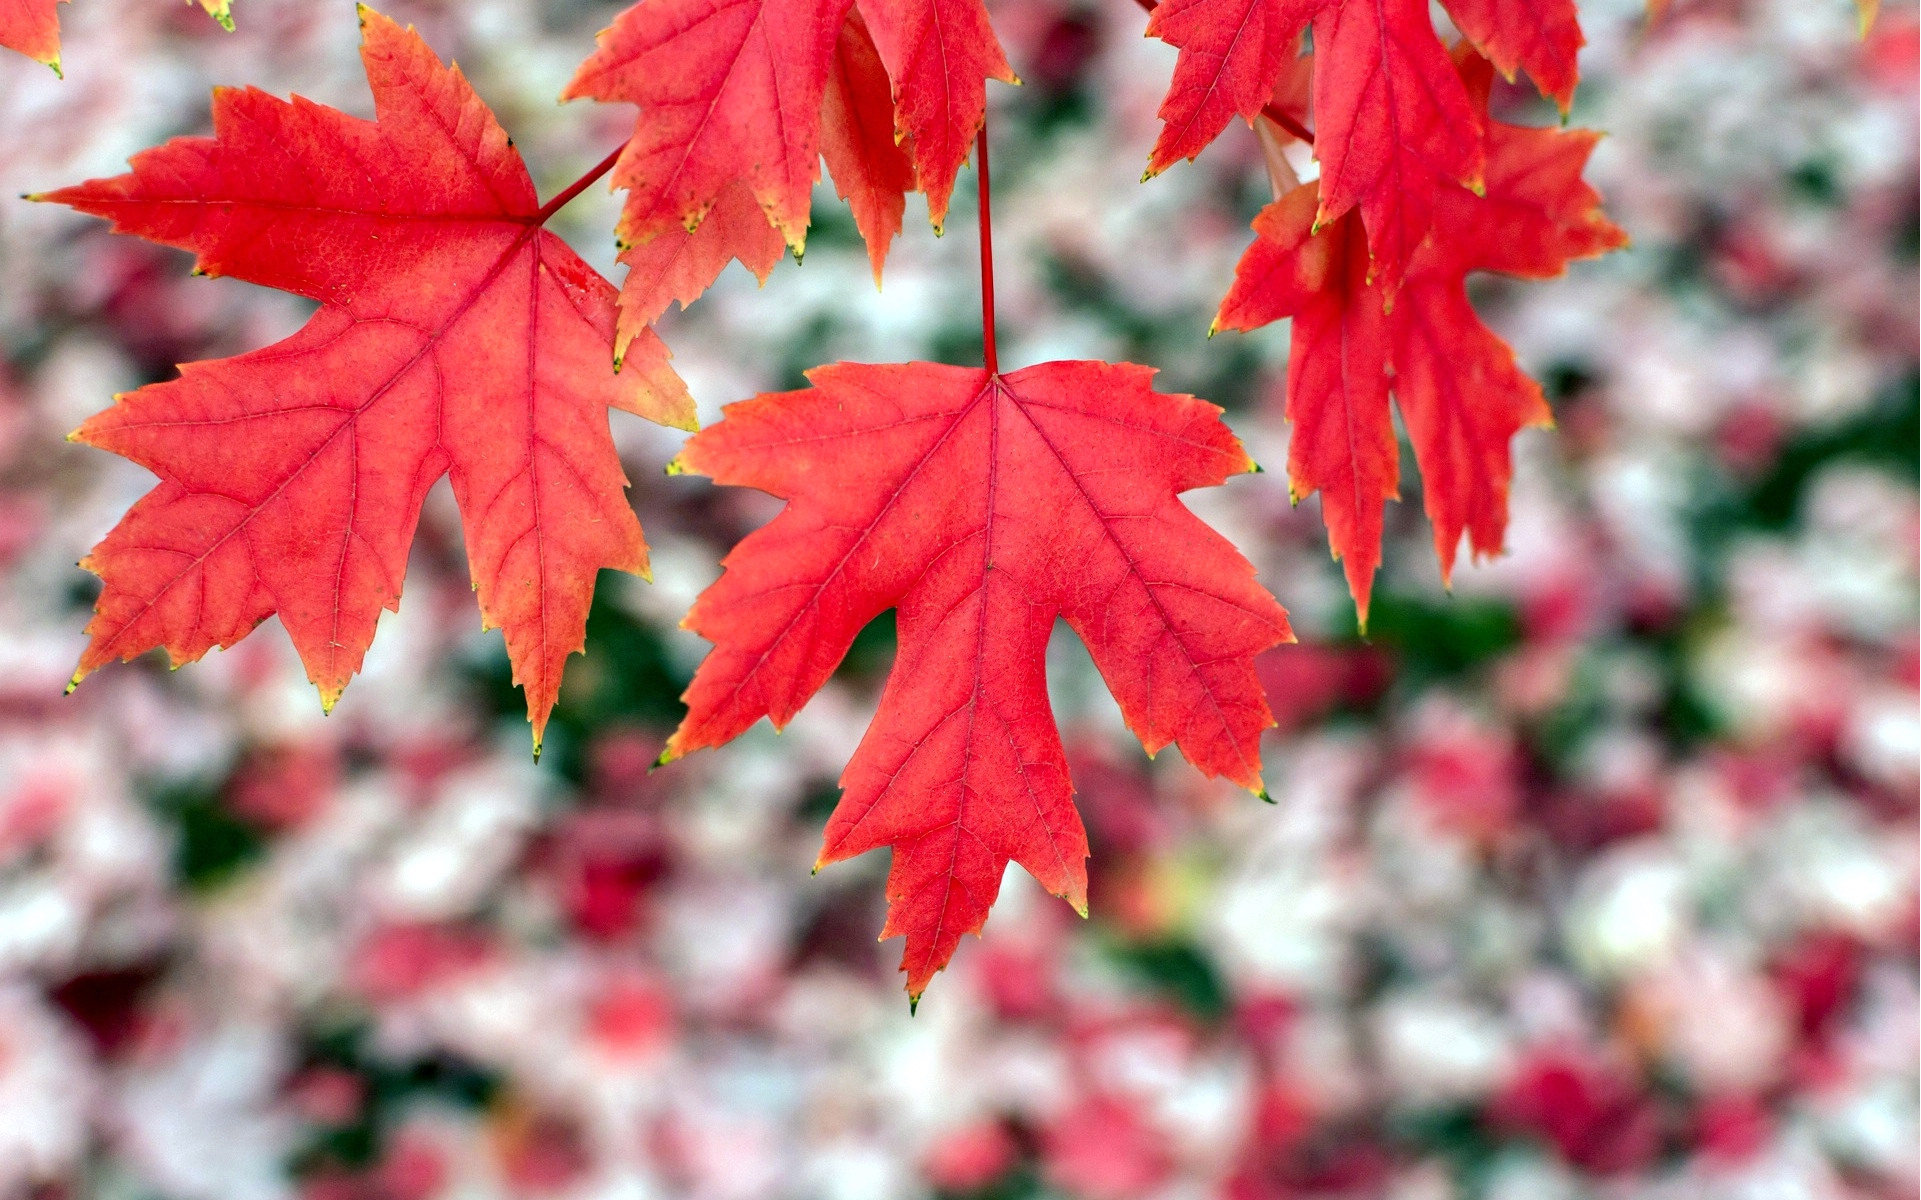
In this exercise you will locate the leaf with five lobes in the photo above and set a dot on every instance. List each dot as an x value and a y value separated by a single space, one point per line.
940 55
32 27
455 336
727 89
980 507
1459 389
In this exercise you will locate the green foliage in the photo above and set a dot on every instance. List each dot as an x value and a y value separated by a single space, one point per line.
1439 640
625 678
387 1087
1178 969
211 844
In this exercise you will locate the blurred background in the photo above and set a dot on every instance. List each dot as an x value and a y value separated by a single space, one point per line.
1596 878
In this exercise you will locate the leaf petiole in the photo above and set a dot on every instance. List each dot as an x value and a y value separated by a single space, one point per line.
989 352
567 194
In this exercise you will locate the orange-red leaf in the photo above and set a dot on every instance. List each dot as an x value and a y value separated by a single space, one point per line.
739 101
981 508
728 89
32 27
454 337
1459 390
1541 37
1233 52
940 55
682 263
1337 372
1393 126
871 171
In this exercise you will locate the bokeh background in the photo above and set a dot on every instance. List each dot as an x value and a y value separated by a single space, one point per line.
1595 878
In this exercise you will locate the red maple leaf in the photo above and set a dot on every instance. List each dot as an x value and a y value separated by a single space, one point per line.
1394 128
728 90
1542 37
741 99
1233 54
1393 125
870 171
940 55
455 336
33 26
1460 392
981 507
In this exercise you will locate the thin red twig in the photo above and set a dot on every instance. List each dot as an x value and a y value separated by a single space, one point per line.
1272 112
987 254
578 186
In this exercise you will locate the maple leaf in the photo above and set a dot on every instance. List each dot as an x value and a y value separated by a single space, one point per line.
1542 37
940 55
1460 392
1233 55
871 165
32 27
980 507
869 169
739 101
681 264
728 90
1393 128
455 336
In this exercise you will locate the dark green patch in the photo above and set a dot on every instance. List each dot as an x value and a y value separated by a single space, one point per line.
872 652
1017 1183
1458 1136
1817 182
387 1086
1178 969
1887 436
625 679
1441 639
211 844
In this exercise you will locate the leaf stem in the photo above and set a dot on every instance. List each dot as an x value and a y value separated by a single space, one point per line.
1271 111
987 254
567 194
